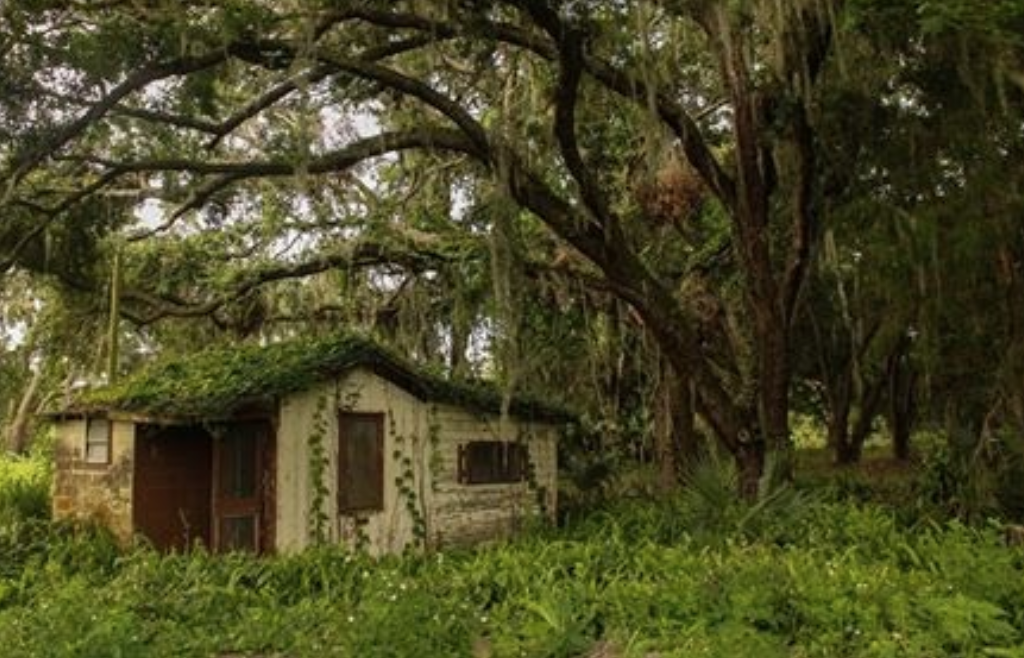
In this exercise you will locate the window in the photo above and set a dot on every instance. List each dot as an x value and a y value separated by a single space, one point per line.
97 441
492 462
360 462
238 465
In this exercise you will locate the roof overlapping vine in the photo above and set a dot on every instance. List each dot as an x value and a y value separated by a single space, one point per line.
213 383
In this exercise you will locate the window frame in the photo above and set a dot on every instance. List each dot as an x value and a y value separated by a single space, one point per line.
513 465
345 506
108 441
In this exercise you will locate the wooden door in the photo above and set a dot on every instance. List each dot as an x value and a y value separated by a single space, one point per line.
171 490
241 481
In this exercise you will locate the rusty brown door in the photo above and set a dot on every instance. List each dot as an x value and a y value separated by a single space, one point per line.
171 486
242 462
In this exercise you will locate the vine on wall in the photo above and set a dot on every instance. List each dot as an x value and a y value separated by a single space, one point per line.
318 519
434 442
405 483
525 437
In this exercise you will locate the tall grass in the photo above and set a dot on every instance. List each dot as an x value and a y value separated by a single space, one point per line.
833 580
24 488
702 574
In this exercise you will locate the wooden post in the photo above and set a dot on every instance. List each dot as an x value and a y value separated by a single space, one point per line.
113 333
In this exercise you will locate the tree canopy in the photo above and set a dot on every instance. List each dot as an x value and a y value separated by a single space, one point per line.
706 208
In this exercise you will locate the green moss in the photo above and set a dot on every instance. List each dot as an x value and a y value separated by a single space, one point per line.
213 383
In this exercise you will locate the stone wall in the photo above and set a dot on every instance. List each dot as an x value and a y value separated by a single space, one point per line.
100 493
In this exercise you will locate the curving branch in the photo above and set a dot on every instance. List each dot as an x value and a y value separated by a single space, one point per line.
630 279
49 215
430 137
570 64
134 82
262 103
165 118
227 173
415 253
392 79
679 121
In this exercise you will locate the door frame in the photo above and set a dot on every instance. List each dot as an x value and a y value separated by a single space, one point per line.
262 505
150 436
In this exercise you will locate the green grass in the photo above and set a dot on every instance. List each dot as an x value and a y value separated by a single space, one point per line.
703 574
878 478
843 581
24 488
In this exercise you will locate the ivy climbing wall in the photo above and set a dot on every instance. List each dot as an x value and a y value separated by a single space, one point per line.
308 466
424 502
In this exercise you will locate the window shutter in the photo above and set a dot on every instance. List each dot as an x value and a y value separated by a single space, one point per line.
492 462
463 474
360 462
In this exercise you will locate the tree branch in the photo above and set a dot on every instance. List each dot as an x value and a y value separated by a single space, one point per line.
570 71
419 254
805 225
189 123
132 83
421 91
263 102
429 137
679 121
631 281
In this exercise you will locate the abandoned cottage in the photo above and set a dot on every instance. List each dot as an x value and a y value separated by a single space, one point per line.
277 447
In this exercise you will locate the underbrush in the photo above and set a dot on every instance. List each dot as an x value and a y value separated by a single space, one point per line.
877 478
795 577
24 488
802 572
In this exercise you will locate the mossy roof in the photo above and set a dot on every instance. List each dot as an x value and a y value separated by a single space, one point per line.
214 383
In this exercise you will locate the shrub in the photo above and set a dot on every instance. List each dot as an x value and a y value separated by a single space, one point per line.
24 489
784 577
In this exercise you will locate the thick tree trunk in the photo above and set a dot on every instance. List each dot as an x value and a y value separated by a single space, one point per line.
687 440
774 403
900 429
902 381
458 366
838 416
848 453
852 451
19 431
870 401
675 432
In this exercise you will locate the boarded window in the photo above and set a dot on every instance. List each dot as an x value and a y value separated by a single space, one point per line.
492 462
97 441
360 462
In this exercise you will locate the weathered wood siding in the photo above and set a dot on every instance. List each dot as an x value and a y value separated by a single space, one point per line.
423 499
419 437
95 492
470 513
405 434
